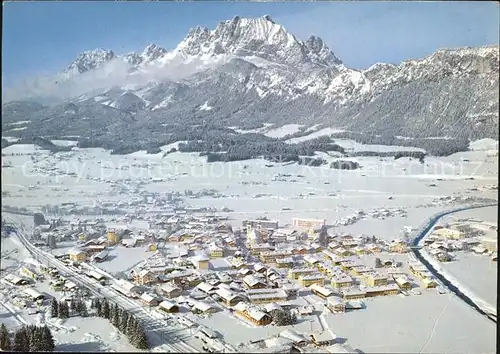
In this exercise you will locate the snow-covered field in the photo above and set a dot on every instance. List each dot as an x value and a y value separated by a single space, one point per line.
476 272
484 145
353 146
489 215
317 192
429 323
283 131
65 142
25 149
237 330
8 318
314 134
91 334
121 259
10 138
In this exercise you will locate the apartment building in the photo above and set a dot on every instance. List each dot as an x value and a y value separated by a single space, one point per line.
306 281
308 223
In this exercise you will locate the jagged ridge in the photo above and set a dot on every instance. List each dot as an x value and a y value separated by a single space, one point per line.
265 74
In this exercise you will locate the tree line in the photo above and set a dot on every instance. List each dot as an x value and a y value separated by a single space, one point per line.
61 309
27 339
124 321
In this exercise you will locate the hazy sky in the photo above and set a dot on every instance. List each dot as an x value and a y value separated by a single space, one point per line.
44 37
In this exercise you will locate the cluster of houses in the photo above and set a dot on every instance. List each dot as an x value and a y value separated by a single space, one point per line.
97 249
420 271
461 237
252 289
253 270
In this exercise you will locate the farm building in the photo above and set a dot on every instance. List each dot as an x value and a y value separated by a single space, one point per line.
259 268
101 256
168 306
149 299
352 294
321 291
296 273
127 286
284 262
203 307
254 315
376 279
361 270
171 291
94 275
263 296
335 304
29 270
201 261
144 277
206 288
33 294
429 283
403 283
308 280
216 251
389 289
296 338
230 298
16 280
77 255
323 338
70 286
253 282
341 280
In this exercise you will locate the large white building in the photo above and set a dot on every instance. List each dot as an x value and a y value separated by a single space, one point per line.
308 223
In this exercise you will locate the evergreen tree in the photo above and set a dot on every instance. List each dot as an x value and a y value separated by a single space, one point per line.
36 340
131 326
140 339
78 306
283 317
4 338
72 306
123 322
98 306
63 310
111 313
54 308
106 310
82 309
116 316
21 340
47 339
66 309
30 334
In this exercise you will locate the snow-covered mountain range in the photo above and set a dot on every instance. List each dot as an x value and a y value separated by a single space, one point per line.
249 71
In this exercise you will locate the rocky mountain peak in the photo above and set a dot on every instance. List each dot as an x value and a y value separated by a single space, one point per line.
320 53
257 37
153 52
133 59
90 60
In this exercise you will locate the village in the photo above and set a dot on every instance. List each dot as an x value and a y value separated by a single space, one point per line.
195 265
